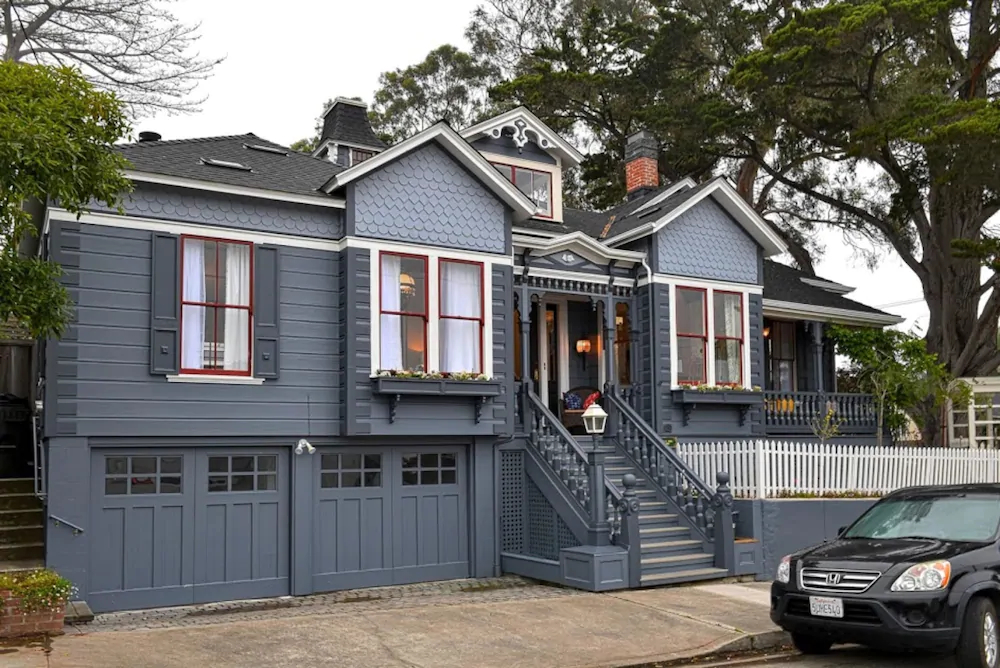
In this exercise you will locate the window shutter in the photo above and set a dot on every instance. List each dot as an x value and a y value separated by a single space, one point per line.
165 305
266 266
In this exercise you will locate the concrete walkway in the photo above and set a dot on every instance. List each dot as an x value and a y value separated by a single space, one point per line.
529 625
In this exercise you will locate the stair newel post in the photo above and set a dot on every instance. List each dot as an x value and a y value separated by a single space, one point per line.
630 530
725 532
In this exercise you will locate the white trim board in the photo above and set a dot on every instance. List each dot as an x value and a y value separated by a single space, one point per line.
333 245
583 277
460 150
796 311
726 197
582 244
705 283
568 153
213 186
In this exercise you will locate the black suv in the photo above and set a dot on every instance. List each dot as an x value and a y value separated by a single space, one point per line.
919 571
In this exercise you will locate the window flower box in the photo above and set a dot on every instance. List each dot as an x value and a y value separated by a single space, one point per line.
396 387
744 400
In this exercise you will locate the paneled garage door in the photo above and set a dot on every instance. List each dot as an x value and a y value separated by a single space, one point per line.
389 516
173 527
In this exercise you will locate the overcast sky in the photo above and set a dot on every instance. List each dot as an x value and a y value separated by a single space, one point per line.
285 60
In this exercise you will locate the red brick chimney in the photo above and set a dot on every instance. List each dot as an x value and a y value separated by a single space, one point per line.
642 173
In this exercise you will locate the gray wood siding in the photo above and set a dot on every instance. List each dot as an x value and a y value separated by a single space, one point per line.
707 243
426 197
104 385
151 200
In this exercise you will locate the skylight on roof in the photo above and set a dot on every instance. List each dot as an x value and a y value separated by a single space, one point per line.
277 150
212 162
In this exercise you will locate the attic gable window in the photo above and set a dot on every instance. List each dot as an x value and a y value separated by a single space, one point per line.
536 185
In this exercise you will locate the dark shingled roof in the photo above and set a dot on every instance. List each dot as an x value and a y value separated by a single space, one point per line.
291 172
784 283
348 123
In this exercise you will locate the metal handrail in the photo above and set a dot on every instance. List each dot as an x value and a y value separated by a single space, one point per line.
58 520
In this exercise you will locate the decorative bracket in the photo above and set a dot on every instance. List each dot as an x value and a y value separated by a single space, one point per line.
744 414
519 134
393 402
686 409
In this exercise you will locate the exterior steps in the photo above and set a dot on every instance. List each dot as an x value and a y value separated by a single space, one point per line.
671 552
22 525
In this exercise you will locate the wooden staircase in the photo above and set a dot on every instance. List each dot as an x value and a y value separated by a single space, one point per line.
672 552
22 525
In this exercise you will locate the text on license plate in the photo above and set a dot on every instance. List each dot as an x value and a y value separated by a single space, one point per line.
822 606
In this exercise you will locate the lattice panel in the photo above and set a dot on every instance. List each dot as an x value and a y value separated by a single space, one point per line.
541 525
512 501
564 535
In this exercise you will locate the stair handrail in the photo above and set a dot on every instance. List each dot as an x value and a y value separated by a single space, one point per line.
616 508
692 495
77 530
560 451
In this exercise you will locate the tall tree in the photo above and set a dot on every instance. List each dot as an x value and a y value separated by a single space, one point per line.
890 119
57 136
134 48
449 84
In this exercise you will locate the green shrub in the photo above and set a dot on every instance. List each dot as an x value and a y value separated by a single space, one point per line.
40 589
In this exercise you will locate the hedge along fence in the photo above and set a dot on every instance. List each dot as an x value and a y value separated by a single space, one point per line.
33 603
779 469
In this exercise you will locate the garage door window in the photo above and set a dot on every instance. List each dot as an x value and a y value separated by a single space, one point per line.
125 475
429 469
243 473
350 470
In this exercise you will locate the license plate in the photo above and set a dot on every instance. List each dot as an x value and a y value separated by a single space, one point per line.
822 606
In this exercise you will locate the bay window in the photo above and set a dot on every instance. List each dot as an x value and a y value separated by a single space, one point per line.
536 186
692 336
216 276
728 338
461 316
411 288
403 311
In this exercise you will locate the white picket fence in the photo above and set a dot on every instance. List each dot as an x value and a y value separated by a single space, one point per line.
768 469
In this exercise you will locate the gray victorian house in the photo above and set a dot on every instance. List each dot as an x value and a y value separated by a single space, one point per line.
295 373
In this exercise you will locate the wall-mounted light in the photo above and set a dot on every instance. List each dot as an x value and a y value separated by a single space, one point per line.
583 347
767 332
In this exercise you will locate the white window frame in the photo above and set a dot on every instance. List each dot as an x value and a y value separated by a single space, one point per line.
434 257
980 385
710 289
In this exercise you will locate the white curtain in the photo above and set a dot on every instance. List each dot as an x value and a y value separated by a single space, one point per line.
391 333
460 296
236 340
193 332
727 366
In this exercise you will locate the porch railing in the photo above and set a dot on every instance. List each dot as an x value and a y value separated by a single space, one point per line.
664 467
798 412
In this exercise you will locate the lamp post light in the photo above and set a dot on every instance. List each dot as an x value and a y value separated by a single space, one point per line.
595 419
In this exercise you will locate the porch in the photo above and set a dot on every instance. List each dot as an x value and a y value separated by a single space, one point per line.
800 383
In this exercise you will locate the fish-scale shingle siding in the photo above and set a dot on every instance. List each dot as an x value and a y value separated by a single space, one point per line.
706 243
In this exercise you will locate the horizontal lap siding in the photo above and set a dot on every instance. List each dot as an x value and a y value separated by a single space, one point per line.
113 392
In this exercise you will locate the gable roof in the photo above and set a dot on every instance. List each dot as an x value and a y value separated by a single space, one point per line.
281 169
346 121
521 118
583 244
635 221
787 288
459 149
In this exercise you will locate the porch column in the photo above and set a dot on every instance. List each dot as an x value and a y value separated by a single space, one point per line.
525 334
610 373
816 352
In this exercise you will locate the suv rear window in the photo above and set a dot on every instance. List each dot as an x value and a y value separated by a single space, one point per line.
970 518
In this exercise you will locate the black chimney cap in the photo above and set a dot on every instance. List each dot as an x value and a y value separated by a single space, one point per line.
148 135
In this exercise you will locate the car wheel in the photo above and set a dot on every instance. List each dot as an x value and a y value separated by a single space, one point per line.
808 644
979 644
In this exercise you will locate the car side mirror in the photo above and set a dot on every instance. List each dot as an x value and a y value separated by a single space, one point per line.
841 531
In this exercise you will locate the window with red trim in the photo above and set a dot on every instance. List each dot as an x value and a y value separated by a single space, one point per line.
728 337
536 185
692 336
403 311
461 316
216 298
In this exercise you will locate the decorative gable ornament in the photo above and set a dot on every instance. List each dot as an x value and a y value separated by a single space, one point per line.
519 134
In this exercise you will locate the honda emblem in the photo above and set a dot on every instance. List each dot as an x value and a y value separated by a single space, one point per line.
833 579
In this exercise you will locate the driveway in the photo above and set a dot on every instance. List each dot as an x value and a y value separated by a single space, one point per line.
532 626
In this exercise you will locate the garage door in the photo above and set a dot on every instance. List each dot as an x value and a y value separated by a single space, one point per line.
389 516
174 527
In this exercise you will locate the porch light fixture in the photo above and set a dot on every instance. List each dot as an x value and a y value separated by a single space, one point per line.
767 332
594 419
583 347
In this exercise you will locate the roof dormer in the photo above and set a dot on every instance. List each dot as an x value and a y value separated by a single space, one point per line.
347 138
529 154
